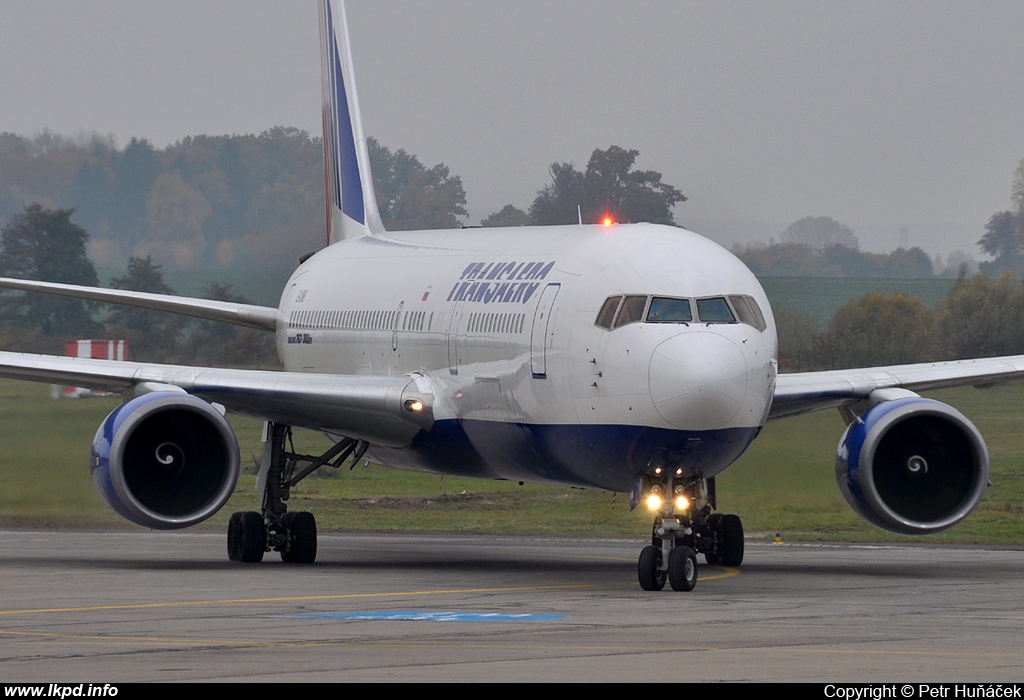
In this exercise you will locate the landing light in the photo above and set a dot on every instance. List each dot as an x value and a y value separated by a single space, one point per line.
682 503
414 405
654 502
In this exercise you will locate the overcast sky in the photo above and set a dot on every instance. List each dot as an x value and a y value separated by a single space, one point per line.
879 114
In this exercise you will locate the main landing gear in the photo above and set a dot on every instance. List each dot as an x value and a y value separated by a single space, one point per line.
683 527
293 534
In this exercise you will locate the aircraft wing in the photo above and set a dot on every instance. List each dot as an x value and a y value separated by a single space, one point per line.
261 317
375 409
803 392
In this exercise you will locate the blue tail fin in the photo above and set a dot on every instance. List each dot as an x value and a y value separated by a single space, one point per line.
351 203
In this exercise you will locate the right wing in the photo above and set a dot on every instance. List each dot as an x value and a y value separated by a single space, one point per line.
387 411
371 408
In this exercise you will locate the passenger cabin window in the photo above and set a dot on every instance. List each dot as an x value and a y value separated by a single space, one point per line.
668 310
632 310
714 310
607 313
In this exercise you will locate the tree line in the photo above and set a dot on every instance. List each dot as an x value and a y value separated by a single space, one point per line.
980 316
44 244
257 200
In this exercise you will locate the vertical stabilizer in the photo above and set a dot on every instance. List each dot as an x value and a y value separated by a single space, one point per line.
351 203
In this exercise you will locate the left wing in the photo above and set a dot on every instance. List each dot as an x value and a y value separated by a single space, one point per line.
803 392
261 317
381 410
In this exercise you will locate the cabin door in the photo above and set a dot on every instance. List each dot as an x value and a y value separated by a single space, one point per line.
542 331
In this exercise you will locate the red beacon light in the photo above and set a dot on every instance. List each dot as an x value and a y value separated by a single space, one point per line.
607 221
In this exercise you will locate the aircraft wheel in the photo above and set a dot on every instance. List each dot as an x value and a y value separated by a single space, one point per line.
648 569
714 558
730 538
247 537
235 537
682 569
301 528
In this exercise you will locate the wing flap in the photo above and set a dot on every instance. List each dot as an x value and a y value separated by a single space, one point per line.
803 392
367 408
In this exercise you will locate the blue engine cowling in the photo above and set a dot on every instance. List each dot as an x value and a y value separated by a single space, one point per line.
912 466
165 460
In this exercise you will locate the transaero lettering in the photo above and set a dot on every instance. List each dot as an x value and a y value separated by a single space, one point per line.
499 282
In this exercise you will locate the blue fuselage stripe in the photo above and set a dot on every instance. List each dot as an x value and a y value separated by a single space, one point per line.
597 456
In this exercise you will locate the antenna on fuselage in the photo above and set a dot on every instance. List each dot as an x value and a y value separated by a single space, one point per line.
579 214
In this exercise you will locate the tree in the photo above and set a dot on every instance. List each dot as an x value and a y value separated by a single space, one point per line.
1004 241
411 196
608 187
43 244
982 317
1017 190
819 232
508 215
143 275
135 172
878 330
797 332
220 344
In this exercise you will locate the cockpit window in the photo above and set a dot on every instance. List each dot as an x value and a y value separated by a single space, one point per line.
748 311
714 310
632 310
607 313
668 310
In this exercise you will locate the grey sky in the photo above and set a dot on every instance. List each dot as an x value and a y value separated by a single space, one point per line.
879 114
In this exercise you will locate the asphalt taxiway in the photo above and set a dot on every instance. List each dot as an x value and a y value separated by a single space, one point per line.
113 607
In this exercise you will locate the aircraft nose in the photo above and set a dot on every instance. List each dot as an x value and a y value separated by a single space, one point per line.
698 380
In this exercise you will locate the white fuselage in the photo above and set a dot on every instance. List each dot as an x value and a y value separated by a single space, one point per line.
503 323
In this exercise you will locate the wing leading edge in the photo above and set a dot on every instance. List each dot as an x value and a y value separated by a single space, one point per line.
375 409
804 392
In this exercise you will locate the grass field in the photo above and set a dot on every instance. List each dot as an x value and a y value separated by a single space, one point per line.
784 484
819 297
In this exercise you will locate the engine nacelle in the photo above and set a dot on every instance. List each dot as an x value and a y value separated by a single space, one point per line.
165 460
913 466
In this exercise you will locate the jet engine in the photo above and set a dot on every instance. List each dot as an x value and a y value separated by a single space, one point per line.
912 466
165 460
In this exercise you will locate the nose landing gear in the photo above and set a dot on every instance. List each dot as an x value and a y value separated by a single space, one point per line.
684 525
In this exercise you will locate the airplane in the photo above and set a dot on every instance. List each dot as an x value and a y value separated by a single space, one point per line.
629 357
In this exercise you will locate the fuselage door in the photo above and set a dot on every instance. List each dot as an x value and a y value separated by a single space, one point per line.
453 338
539 337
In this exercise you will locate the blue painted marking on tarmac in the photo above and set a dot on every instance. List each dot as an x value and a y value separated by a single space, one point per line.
431 616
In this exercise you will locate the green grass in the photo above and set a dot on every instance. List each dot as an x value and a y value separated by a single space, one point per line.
785 483
819 297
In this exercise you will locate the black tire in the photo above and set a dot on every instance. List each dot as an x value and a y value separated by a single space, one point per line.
682 569
235 537
301 527
714 557
252 537
648 569
730 540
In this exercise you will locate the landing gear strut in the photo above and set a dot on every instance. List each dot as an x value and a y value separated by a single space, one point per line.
293 534
683 527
